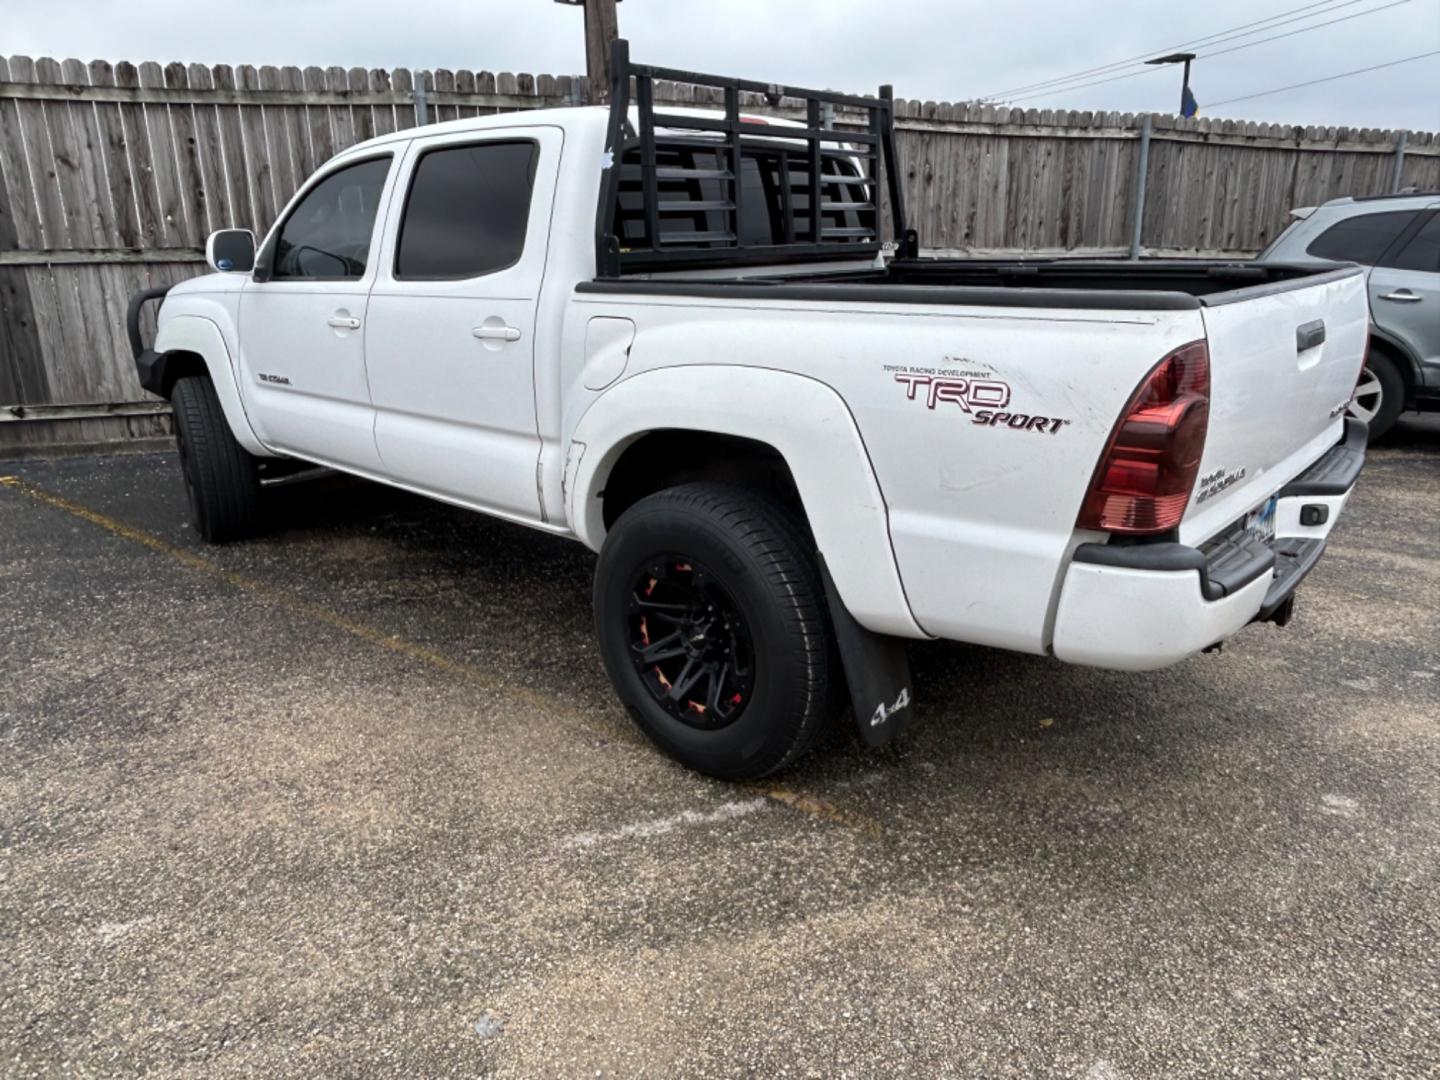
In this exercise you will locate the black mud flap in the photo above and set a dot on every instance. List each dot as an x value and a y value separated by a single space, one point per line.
877 670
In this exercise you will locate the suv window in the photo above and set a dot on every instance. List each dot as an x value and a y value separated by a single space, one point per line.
1362 238
328 234
1421 251
467 210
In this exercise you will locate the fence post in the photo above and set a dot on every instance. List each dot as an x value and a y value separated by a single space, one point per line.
1142 169
1399 161
422 105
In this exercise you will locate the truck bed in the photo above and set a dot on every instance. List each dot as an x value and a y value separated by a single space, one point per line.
983 487
1172 284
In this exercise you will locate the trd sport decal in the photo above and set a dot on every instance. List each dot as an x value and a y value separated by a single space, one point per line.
978 395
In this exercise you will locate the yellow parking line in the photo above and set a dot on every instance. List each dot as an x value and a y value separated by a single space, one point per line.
802 802
285 599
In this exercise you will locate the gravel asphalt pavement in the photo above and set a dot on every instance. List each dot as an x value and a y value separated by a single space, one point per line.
355 799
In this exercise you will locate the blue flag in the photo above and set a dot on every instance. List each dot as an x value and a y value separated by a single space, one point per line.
1188 107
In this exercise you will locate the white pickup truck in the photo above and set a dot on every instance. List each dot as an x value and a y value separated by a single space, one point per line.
677 337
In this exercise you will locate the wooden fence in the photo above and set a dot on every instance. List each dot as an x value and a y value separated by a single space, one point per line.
111 177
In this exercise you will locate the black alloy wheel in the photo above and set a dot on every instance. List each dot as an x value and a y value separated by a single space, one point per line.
714 628
690 643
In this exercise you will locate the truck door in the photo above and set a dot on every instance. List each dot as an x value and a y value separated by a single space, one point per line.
302 329
450 341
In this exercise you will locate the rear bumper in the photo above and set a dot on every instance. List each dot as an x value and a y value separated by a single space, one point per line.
1146 606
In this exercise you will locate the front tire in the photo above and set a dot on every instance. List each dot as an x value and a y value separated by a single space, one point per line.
1380 395
713 628
222 479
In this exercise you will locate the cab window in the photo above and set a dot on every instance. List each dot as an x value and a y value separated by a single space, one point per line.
467 211
327 237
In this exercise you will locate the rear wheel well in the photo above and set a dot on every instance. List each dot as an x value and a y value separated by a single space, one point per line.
666 458
1404 365
179 364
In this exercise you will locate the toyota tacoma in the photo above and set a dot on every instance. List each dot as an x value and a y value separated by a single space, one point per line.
684 338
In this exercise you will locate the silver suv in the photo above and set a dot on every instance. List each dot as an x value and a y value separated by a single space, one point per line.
1397 237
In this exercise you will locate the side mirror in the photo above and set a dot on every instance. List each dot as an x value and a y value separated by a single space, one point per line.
231 251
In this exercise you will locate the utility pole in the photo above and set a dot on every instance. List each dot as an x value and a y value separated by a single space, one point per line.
1186 101
602 26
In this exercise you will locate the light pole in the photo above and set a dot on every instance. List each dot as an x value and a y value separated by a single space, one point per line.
602 26
1187 99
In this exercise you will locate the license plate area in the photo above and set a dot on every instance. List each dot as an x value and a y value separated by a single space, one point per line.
1260 522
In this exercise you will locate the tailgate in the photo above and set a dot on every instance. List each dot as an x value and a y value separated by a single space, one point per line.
1284 360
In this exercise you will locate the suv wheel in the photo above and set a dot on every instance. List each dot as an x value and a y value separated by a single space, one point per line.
714 630
222 480
1380 395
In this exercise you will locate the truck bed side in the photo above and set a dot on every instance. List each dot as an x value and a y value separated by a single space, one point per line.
981 509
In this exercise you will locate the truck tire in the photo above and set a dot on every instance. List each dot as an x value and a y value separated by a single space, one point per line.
1380 395
713 627
222 480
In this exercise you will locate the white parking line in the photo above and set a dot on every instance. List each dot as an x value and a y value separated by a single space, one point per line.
1340 805
638 830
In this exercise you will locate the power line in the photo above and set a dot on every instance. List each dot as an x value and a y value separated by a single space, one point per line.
1082 86
1216 38
1303 29
1328 78
1219 52
1209 39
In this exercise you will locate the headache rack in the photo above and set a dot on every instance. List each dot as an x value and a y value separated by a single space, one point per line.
685 191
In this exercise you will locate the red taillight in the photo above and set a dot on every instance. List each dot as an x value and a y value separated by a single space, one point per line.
1145 476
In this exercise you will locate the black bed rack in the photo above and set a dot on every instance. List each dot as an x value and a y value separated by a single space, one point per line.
719 239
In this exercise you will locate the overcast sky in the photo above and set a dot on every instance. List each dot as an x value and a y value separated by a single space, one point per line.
947 51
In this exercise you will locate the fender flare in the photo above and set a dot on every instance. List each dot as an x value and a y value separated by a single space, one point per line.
1413 376
201 336
805 421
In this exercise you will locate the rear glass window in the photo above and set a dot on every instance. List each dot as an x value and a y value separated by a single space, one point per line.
467 211
1421 251
1361 239
693 198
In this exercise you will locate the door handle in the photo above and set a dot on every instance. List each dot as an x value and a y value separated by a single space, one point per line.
343 322
1402 296
496 333
1310 334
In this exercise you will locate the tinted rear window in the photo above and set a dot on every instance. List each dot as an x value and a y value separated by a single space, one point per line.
693 198
1421 251
1361 239
467 210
